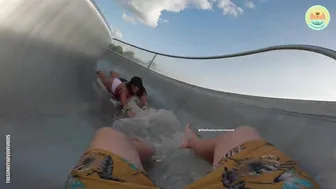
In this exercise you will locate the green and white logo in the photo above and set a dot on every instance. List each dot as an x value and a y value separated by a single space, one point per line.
317 17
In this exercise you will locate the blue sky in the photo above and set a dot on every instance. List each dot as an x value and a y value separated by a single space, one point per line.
195 29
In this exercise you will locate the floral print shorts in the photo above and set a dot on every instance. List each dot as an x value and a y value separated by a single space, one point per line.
104 170
256 165
252 165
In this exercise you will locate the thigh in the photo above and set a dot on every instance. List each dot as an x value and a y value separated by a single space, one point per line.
226 142
110 161
107 83
248 161
117 143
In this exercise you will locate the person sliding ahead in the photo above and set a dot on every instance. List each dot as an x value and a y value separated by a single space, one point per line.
124 90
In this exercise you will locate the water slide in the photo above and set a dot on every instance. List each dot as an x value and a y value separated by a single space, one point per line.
51 106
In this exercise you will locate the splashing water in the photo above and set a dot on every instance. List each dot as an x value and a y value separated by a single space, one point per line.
161 128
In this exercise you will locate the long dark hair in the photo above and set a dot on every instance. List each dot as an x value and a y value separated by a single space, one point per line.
137 82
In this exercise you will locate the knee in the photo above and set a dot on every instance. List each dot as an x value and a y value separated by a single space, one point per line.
246 130
107 130
238 136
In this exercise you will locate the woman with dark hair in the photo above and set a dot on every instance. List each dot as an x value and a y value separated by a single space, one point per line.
123 90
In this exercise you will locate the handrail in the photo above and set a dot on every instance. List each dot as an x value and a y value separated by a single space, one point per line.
320 50
316 49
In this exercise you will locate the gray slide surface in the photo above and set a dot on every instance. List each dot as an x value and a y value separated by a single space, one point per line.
49 51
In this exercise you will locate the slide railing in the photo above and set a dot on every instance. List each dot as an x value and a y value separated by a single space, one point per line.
251 72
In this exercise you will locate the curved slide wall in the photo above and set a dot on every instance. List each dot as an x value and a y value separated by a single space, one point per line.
302 129
48 53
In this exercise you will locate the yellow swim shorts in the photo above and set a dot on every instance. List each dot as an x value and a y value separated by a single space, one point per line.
255 165
251 165
104 170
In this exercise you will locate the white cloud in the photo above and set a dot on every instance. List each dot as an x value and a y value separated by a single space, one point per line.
164 21
116 33
129 19
229 8
149 11
249 4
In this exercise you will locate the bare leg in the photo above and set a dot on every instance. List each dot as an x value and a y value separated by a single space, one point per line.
144 149
203 148
133 150
106 81
213 150
114 74
101 75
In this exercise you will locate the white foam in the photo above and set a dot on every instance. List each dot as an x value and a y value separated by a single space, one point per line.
159 127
